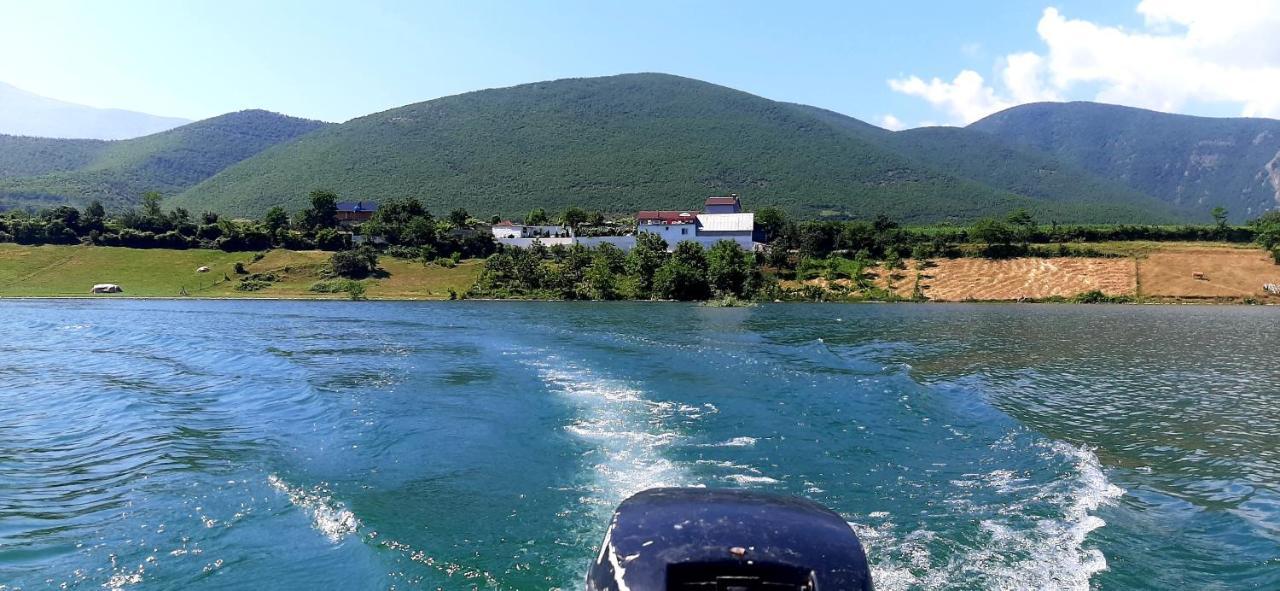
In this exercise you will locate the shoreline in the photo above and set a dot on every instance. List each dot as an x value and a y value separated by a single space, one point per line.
1145 302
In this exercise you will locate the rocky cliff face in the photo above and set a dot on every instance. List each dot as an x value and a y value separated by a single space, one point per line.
1192 163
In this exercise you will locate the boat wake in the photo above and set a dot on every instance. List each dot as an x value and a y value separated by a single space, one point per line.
328 516
1025 547
628 433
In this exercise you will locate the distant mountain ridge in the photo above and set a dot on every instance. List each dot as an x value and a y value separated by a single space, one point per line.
638 141
1192 163
40 172
655 141
29 114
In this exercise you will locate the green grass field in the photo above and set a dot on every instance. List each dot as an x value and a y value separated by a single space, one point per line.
51 271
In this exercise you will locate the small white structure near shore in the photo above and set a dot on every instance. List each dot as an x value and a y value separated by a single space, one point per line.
508 229
722 219
106 288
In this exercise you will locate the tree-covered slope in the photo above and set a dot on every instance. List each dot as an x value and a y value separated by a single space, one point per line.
1192 163
30 156
1026 171
42 172
618 143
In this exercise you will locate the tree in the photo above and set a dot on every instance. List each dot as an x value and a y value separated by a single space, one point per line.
1219 218
151 205
728 267
275 219
398 211
95 211
677 280
601 282
323 212
1022 225
991 232
684 275
354 264
458 218
573 217
537 217
643 261
420 231
613 256
1267 229
770 220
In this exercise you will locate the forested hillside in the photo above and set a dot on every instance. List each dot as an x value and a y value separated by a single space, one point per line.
43 172
623 143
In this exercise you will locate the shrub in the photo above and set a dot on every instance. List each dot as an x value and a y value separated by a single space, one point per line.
332 286
354 264
240 270
252 285
1097 297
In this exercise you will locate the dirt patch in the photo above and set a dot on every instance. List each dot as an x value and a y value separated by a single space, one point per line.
1234 273
953 280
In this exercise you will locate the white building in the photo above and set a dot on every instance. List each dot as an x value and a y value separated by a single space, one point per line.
722 219
509 229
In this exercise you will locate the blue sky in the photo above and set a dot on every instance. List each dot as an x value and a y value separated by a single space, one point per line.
338 60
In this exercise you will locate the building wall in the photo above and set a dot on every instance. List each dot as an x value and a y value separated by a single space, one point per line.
629 242
527 242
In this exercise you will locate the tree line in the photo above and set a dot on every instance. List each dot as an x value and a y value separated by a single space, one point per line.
404 227
606 272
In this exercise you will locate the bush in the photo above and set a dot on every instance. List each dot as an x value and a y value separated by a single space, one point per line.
354 264
252 285
1097 297
332 286
240 270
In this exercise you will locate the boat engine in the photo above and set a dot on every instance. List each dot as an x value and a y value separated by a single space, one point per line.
698 539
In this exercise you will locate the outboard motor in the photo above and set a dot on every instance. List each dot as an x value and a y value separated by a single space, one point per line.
698 539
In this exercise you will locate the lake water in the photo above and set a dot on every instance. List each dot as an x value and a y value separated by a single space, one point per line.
480 445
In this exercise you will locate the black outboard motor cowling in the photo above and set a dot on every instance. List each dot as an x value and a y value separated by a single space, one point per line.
698 539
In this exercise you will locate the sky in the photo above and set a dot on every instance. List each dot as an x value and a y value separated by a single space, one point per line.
897 64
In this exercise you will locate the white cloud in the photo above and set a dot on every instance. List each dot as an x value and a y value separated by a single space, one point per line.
1189 51
966 98
892 123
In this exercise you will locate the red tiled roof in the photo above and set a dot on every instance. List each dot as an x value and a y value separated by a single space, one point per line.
505 223
668 217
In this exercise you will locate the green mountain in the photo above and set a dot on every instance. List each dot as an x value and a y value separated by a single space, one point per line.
1025 171
1192 163
39 172
628 142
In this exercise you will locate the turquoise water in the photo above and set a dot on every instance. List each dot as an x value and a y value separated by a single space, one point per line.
473 445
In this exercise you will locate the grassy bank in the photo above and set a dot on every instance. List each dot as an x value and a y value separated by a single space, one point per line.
50 271
1134 271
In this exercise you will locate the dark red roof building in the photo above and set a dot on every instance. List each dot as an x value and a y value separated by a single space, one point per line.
666 217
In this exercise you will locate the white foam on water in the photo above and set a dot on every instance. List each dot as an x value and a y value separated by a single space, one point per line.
749 479
735 442
449 569
1049 555
629 433
328 516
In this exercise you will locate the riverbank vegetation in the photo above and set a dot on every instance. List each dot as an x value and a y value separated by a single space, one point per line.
807 260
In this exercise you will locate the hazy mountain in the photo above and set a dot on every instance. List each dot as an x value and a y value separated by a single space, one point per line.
24 113
38 172
1192 163
622 143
